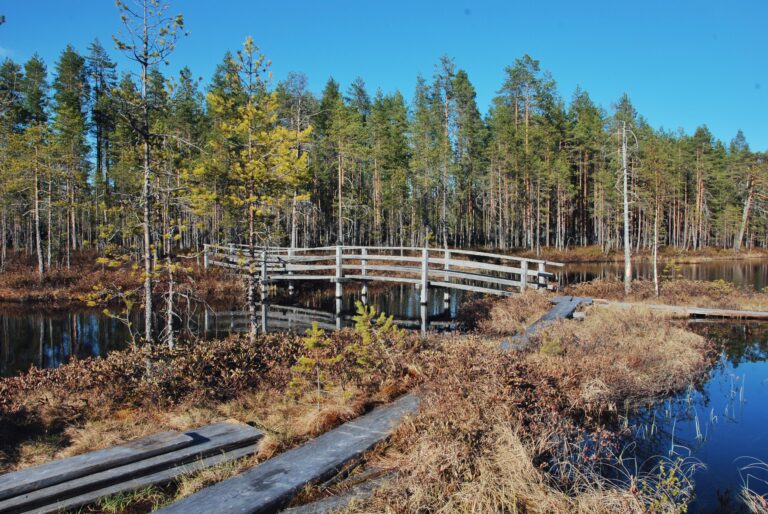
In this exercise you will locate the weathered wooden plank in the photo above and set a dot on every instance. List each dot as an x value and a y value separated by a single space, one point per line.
381 267
465 275
215 438
504 257
275 278
374 257
476 289
158 478
355 493
383 278
62 470
688 311
270 485
564 307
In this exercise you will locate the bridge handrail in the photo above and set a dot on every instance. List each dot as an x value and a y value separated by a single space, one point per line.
286 250
436 265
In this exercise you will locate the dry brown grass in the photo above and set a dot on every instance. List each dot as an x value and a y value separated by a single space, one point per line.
503 432
96 403
618 355
717 294
498 431
62 288
503 316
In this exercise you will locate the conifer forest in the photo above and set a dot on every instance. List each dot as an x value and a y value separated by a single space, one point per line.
95 156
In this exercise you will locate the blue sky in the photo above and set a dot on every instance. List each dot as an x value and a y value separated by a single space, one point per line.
683 62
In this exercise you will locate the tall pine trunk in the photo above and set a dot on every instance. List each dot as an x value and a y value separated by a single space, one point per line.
746 212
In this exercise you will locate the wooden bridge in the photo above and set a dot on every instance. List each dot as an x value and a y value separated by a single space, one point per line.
467 270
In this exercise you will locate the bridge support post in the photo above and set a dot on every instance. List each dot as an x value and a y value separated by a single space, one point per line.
339 273
424 296
290 262
523 275
264 283
446 293
540 279
364 273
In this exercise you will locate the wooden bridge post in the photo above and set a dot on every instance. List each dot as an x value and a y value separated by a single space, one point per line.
542 281
290 262
339 272
424 276
523 275
446 293
205 256
364 273
264 283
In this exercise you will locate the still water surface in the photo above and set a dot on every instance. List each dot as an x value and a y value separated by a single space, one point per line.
35 337
46 339
742 273
721 424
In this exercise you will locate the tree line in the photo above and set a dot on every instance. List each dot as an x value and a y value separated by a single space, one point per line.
150 165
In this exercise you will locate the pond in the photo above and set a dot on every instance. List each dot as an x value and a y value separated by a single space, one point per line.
742 273
33 337
722 424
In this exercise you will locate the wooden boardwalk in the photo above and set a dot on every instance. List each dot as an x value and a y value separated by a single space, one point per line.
272 484
686 311
67 484
563 308
466 270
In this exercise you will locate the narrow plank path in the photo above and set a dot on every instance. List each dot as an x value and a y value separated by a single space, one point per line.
355 493
272 484
56 472
564 307
70 483
688 311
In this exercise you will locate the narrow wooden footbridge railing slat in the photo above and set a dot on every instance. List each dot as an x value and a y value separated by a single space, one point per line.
468 270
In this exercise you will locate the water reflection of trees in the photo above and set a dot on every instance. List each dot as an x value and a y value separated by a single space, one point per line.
740 342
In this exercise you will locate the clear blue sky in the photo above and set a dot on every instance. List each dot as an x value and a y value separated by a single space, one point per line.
683 62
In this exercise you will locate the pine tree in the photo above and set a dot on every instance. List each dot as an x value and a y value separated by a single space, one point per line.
150 37
264 166
71 94
102 81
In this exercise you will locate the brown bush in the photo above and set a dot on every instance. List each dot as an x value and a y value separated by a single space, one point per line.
503 316
619 355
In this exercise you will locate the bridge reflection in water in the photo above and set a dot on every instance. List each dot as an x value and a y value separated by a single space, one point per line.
277 318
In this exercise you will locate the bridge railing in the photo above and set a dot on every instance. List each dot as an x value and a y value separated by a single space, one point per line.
469 270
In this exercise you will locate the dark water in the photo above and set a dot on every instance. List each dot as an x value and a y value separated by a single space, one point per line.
742 273
44 339
722 424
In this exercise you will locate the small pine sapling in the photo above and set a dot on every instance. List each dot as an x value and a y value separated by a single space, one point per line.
376 335
309 371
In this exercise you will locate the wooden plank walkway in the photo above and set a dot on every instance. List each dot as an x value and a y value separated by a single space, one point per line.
689 311
272 484
362 488
56 472
564 307
67 486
